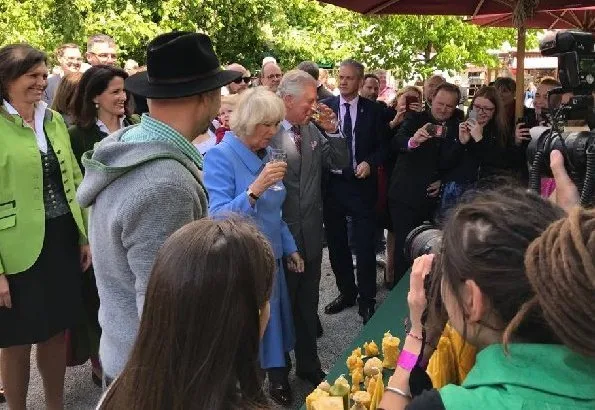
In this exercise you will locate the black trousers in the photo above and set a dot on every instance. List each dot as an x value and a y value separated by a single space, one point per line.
343 200
404 218
304 294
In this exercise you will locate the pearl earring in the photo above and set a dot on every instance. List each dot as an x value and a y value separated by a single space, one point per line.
96 106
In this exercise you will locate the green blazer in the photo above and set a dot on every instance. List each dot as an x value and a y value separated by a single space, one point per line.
22 213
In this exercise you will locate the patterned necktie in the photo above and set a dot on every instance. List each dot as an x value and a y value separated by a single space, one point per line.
297 138
348 131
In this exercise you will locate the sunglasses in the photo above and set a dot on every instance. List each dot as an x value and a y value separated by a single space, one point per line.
246 80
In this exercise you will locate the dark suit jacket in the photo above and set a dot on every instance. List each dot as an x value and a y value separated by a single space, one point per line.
323 93
417 168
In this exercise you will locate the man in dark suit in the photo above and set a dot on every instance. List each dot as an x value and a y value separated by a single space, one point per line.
312 68
352 191
423 156
309 153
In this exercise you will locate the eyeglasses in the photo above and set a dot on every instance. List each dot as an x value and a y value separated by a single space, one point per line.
247 80
274 76
487 110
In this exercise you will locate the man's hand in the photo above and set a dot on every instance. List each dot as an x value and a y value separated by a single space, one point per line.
85 257
295 263
363 170
5 292
566 195
326 118
421 135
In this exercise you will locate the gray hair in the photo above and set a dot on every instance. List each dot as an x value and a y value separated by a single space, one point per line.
99 38
256 106
294 82
359 67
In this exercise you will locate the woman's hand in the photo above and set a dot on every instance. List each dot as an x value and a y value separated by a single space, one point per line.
566 194
85 257
5 293
416 298
464 135
521 134
295 263
272 173
475 129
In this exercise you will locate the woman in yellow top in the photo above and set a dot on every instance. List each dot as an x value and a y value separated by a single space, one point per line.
43 243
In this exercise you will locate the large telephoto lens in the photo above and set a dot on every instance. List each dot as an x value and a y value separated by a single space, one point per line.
422 240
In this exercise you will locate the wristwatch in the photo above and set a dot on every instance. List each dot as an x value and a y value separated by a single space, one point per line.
252 194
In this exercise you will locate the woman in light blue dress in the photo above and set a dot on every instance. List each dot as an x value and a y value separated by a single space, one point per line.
240 179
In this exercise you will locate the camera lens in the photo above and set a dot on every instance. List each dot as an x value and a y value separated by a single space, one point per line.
422 240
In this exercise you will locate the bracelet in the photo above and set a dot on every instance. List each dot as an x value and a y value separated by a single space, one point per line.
397 391
416 337
407 360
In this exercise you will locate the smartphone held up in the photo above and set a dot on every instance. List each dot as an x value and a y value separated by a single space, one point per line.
437 131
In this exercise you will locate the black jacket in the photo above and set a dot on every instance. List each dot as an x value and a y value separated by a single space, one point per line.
417 168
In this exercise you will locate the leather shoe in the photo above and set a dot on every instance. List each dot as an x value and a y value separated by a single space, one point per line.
281 393
315 377
366 313
318 327
338 305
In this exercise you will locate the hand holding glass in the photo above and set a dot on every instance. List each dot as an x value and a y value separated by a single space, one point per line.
277 155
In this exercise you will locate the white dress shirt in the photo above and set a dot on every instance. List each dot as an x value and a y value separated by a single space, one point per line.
38 116
103 127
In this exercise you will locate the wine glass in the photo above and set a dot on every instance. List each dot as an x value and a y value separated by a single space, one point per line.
277 155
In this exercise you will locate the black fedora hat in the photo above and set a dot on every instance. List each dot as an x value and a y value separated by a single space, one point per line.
180 64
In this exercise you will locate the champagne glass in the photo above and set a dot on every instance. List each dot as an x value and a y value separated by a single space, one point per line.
277 155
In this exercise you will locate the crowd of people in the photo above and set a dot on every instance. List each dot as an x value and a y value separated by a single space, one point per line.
176 214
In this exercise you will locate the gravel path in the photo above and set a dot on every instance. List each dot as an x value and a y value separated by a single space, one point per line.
339 330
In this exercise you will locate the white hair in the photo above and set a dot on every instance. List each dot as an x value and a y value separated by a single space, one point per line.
256 106
294 82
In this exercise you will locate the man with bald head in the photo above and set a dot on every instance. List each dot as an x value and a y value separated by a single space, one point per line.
242 83
271 76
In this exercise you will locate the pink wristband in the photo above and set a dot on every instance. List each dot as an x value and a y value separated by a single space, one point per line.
407 360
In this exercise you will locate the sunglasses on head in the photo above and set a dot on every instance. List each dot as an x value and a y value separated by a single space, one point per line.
246 80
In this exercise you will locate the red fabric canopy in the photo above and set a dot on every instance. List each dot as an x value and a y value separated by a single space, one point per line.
448 7
580 19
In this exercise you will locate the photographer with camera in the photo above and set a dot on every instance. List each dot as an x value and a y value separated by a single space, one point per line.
425 142
516 276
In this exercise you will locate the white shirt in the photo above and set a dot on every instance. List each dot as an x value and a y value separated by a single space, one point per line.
103 127
353 112
38 117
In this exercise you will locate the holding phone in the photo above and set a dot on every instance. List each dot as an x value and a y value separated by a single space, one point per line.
472 115
529 119
410 99
436 130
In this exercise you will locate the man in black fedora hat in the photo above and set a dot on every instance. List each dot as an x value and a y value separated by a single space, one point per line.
145 182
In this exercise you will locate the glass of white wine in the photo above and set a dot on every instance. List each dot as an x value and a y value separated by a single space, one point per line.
277 155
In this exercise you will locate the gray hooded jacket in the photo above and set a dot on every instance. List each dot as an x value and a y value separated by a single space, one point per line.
139 194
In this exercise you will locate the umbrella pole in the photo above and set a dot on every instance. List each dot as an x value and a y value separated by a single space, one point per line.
520 71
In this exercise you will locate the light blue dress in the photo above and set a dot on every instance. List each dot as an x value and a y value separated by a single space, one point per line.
229 169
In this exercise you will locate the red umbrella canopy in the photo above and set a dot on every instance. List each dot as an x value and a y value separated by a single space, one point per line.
450 7
577 19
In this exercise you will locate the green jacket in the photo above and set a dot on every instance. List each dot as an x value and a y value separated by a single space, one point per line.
531 377
22 213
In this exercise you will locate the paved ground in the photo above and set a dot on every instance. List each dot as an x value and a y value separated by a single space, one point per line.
339 330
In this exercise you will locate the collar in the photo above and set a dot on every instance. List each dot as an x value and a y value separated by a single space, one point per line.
352 102
249 158
40 108
286 125
103 127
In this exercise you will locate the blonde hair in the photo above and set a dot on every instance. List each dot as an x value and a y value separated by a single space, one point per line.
256 106
230 100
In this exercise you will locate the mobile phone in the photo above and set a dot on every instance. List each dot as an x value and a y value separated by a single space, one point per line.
529 119
436 130
410 99
472 115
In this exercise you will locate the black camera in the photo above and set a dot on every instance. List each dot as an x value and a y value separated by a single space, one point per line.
576 70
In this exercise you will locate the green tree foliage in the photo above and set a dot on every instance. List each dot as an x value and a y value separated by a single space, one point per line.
246 31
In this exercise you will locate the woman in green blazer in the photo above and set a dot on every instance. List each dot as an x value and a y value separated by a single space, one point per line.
43 242
99 108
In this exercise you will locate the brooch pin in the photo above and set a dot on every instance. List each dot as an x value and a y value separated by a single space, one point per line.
314 144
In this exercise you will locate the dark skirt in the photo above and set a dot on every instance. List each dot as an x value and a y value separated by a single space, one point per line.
46 298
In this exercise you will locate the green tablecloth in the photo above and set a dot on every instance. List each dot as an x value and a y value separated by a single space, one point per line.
389 316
